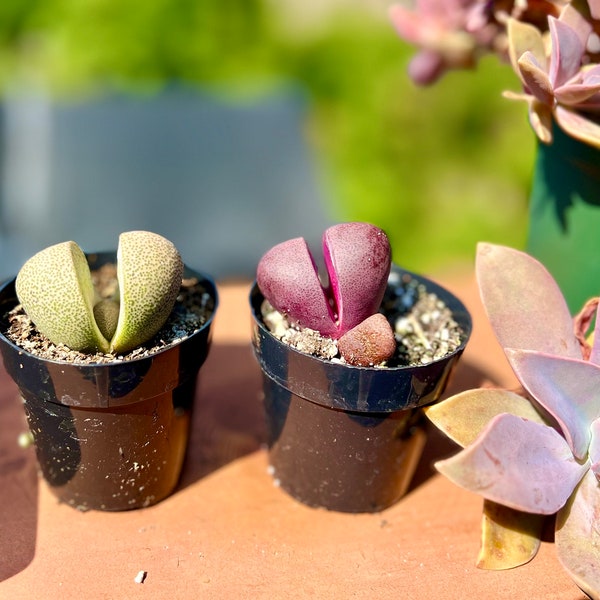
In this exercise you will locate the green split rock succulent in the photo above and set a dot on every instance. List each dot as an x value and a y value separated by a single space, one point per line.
56 290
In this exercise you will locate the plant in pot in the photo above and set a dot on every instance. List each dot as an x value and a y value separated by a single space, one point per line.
553 47
348 365
105 350
534 455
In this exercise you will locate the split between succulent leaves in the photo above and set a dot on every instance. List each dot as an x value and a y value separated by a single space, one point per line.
358 260
56 291
534 454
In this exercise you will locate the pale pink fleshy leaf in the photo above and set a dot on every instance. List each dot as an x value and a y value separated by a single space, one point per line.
568 389
577 536
516 289
523 37
463 416
579 93
578 126
595 339
517 463
567 51
594 449
535 78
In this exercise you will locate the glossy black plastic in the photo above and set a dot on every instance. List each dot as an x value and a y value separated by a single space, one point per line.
342 437
109 436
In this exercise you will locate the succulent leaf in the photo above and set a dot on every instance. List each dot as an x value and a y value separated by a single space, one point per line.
149 270
517 463
509 538
106 313
463 416
358 260
287 277
516 289
568 389
577 536
55 288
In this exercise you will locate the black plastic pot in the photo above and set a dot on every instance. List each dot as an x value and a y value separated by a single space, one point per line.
109 436
342 437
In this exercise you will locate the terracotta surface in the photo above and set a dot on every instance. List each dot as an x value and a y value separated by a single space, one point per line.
228 532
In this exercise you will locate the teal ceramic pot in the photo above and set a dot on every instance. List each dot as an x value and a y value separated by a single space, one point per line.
564 216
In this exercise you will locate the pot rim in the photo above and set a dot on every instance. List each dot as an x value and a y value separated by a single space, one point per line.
456 305
102 258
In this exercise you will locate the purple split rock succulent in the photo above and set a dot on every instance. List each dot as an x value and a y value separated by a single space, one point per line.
535 453
358 260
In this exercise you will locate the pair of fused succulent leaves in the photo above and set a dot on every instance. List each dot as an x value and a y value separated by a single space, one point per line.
56 291
357 259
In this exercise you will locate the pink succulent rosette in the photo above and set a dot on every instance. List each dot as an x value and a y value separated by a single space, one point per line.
535 454
552 45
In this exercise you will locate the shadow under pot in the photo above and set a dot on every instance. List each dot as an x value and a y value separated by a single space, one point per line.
112 436
343 437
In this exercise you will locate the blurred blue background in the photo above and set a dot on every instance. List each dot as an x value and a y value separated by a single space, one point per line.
231 125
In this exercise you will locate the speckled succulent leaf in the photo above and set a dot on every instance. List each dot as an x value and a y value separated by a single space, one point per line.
509 538
357 258
287 277
463 416
55 288
568 389
577 536
149 270
516 289
358 261
106 314
517 463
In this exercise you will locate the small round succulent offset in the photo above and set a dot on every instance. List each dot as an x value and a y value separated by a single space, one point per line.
358 260
56 291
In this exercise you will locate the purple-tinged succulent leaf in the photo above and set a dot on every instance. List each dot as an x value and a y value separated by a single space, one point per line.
595 339
594 449
509 538
578 126
568 389
535 78
567 50
577 536
287 276
516 289
463 416
517 463
358 260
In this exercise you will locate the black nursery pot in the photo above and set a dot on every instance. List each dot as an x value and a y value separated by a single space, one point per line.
341 437
110 436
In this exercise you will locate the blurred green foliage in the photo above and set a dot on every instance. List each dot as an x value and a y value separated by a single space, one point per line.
437 168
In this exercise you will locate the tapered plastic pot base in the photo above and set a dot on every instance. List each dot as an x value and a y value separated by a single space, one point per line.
341 437
110 436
